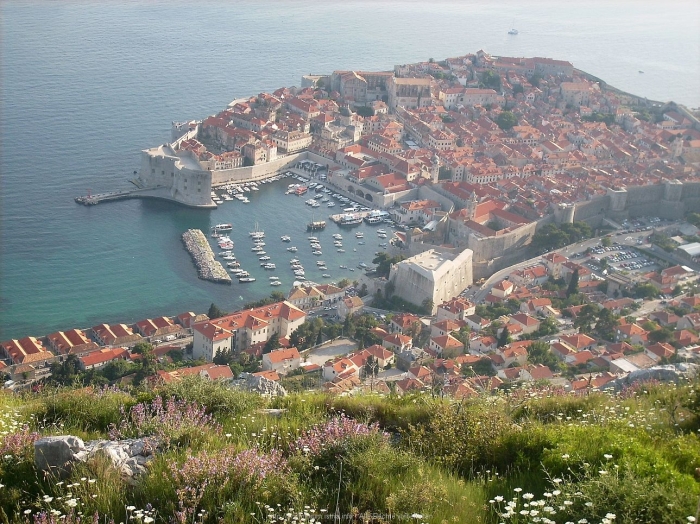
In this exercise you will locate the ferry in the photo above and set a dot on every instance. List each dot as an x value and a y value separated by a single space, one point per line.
373 220
315 225
223 227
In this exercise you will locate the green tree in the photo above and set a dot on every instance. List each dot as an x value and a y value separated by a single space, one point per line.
587 315
481 367
492 80
272 343
504 338
647 291
535 80
606 324
518 89
344 283
67 372
224 357
215 312
506 120
693 218
539 353
573 284
463 336
661 335
427 306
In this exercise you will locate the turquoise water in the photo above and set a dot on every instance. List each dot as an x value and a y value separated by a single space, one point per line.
86 85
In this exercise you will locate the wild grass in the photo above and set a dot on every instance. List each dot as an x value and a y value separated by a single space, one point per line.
224 458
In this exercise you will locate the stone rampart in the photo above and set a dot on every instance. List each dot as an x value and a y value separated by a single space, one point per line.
253 173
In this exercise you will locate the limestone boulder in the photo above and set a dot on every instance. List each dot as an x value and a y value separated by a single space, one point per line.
57 454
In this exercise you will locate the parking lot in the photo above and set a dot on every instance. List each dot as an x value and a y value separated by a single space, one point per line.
619 258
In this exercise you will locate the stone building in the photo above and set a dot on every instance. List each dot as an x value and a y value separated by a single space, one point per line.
433 276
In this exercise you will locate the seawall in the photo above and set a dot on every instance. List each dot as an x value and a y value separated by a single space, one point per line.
207 266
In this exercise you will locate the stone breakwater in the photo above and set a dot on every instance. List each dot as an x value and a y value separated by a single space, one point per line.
208 267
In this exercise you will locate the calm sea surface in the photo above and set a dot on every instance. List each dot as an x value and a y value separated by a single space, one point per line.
86 85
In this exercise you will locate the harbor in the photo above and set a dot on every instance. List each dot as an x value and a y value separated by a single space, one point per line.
203 257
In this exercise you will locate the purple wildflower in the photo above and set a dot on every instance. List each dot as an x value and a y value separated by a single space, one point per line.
20 443
331 433
164 420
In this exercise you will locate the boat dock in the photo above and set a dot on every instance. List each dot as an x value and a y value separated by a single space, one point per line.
92 200
203 257
337 217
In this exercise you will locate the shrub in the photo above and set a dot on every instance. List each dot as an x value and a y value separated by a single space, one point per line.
225 483
461 438
172 421
87 410
219 399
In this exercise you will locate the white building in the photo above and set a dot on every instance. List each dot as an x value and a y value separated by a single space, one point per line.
432 275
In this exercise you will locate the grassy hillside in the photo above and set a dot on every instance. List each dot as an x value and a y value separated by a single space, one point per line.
531 456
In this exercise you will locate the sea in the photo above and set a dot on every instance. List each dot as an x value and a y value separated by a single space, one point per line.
86 85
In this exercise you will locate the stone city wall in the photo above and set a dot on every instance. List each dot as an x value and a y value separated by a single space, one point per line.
253 173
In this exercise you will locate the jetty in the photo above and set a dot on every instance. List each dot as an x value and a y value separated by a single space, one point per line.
92 200
203 257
